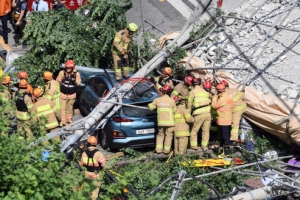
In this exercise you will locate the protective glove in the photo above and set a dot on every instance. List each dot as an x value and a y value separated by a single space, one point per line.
123 53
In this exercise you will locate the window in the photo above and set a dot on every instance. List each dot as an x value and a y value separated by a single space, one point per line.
98 86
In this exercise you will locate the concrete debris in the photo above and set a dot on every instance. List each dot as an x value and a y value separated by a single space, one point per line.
229 22
292 93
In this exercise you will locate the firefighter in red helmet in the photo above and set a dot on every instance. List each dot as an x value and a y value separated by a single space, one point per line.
182 89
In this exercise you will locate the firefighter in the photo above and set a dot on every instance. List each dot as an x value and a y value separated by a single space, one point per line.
166 108
120 49
223 103
199 101
24 75
182 130
239 107
94 161
69 79
52 92
5 93
43 107
182 89
24 106
164 79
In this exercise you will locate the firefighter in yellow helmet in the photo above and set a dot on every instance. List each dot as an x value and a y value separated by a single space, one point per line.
166 108
120 49
5 93
182 130
68 79
24 106
94 161
52 92
43 108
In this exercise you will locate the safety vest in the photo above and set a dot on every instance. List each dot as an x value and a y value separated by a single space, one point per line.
224 106
68 86
166 107
90 162
199 100
182 117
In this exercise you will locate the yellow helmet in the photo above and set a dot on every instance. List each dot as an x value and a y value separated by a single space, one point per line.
37 92
6 79
132 27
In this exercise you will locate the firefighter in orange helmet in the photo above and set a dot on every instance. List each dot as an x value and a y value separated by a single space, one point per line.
68 79
52 92
120 49
24 106
239 107
5 93
166 107
94 161
43 108
223 103
165 78
24 75
182 129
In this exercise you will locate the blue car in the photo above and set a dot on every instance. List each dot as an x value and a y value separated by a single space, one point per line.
131 126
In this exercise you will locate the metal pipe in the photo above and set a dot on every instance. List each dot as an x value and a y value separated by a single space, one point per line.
281 174
142 15
237 167
262 23
153 25
216 68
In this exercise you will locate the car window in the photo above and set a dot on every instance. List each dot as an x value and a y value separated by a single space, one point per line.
98 86
137 112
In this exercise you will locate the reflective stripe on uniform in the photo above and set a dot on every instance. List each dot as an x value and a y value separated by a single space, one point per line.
167 148
43 108
44 113
68 95
151 106
29 106
238 96
193 144
181 133
90 162
205 109
47 96
238 108
234 130
187 116
118 70
24 116
224 122
117 39
204 144
175 93
51 125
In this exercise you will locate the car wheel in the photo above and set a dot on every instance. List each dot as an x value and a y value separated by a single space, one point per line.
103 139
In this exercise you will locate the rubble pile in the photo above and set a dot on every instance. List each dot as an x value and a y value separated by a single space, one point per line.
275 60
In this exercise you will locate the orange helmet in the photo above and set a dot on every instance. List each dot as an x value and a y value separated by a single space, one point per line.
167 71
92 141
220 88
6 79
47 75
23 83
22 75
37 92
70 64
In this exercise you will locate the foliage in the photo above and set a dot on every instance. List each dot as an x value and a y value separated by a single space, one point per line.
56 36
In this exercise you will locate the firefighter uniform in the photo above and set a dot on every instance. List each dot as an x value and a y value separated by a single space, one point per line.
68 93
161 81
223 103
239 107
182 91
44 108
52 92
182 129
200 101
24 106
94 161
166 108
4 95
121 44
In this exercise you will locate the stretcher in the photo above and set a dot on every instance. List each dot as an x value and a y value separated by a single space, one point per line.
211 162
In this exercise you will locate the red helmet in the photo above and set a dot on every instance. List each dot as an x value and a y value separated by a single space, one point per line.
224 82
165 89
207 85
220 88
188 80
167 70
70 64
177 99
197 81
22 75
